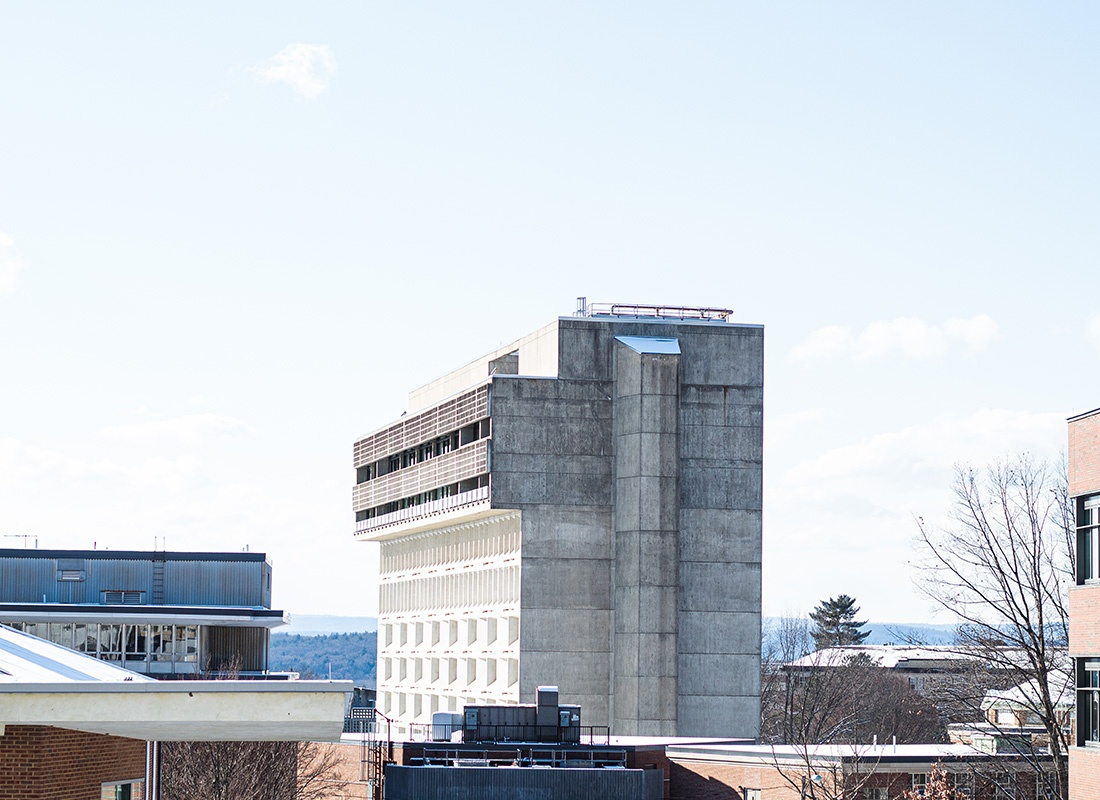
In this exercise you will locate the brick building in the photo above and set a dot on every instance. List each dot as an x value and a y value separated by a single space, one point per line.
843 772
1084 604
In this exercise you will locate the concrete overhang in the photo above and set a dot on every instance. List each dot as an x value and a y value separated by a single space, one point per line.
183 710
233 617
468 513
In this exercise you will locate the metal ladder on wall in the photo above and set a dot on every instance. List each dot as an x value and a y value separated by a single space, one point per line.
158 580
375 749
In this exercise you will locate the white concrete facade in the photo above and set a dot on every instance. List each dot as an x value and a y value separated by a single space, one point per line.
583 509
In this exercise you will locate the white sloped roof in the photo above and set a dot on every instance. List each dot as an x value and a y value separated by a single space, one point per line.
42 683
28 659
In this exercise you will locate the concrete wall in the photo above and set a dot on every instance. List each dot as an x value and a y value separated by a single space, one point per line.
721 479
647 559
551 459
640 481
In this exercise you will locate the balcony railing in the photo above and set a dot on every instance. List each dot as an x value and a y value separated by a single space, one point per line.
429 509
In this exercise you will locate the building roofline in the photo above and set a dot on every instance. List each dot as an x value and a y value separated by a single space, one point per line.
1082 415
132 555
233 616
706 323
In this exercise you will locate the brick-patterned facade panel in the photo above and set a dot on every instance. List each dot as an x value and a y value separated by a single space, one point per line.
1084 772
1084 621
42 763
1084 454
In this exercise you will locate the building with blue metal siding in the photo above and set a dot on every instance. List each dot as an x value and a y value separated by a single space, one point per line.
165 614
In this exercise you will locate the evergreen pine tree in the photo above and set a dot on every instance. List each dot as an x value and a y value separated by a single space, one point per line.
835 623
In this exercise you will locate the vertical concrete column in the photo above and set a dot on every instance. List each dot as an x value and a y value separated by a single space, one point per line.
645 421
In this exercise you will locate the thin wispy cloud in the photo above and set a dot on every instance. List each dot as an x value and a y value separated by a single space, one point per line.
306 68
11 263
907 337
188 428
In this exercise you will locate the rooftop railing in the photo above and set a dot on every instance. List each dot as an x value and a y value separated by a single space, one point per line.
428 509
586 309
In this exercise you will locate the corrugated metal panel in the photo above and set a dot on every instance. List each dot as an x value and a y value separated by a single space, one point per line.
29 579
242 647
25 581
506 783
199 583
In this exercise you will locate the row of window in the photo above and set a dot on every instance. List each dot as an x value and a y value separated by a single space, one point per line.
439 493
469 588
1088 539
450 633
1088 669
453 547
167 643
449 671
420 707
423 452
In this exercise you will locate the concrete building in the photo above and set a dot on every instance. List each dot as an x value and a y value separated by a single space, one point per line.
581 507
166 614
1084 603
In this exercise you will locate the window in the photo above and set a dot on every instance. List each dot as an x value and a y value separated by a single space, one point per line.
121 790
919 782
752 794
1046 787
874 793
1088 539
963 782
1088 702
1004 786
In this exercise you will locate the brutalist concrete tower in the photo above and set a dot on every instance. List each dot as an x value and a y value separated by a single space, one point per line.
581 508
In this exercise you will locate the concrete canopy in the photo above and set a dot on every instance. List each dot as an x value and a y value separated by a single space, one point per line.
42 683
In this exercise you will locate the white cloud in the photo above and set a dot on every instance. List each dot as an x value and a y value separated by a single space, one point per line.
905 336
985 435
306 68
188 428
11 263
1092 331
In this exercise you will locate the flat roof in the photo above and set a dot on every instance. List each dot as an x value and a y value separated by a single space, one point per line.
232 616
130 555
42 683
879 753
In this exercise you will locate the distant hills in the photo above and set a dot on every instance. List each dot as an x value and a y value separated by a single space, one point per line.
340 656
892 632
312 645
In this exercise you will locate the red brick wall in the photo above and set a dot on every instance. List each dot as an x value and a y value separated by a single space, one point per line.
1084 773
709 780
1084 455
41 763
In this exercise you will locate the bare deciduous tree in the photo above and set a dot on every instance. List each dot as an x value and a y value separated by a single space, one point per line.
248 771
1003 568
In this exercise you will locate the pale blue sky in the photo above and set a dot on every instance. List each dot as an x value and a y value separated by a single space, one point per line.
233 237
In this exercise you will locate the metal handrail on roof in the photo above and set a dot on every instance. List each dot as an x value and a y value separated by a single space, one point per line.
654 311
